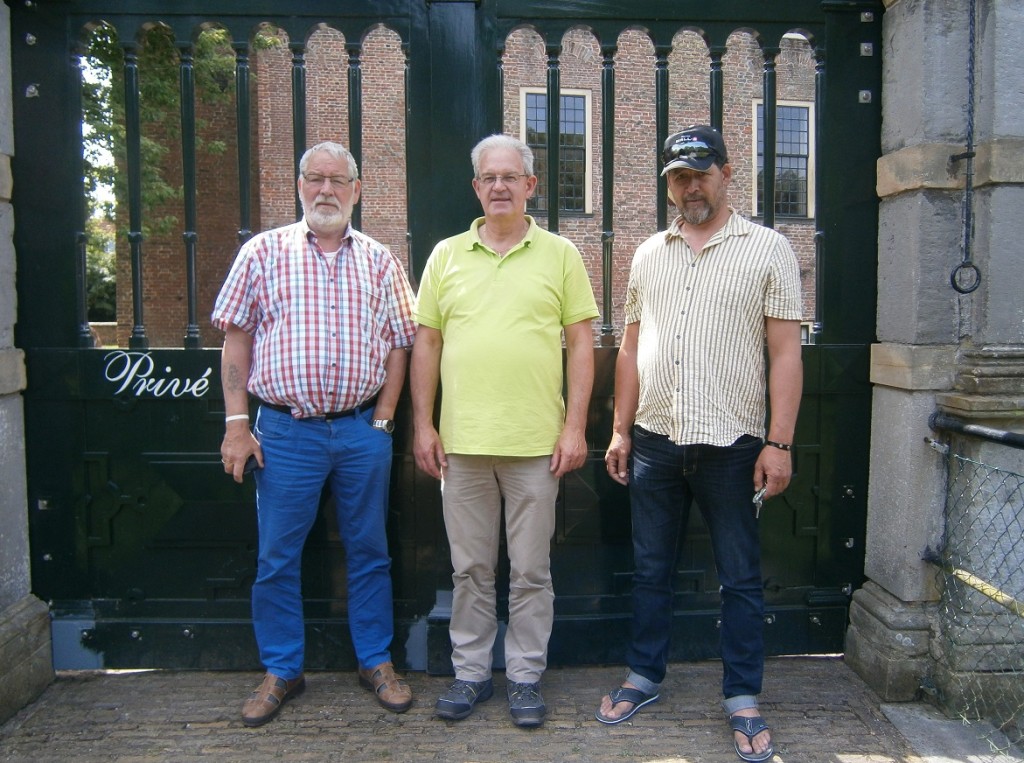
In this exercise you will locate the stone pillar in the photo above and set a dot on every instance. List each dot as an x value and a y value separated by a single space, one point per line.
938 349
25 664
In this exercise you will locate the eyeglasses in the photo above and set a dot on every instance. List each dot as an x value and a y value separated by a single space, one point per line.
508 180
317 181
691 149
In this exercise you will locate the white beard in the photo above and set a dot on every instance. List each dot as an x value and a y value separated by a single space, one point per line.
326 218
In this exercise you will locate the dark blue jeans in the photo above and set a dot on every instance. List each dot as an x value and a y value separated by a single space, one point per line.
664 480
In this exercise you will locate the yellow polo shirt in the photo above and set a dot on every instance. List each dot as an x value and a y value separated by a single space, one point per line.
501 319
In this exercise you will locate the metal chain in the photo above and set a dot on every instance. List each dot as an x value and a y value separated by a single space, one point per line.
966 277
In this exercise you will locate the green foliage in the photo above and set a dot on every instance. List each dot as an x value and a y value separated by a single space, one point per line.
103 128
101 270
105 140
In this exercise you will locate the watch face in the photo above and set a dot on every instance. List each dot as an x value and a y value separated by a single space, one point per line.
388 425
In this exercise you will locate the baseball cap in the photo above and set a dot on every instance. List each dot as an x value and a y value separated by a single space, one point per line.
696 148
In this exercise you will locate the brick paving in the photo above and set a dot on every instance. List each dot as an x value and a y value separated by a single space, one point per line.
821 711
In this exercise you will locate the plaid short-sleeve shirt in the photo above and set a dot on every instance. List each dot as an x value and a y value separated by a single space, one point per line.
322 327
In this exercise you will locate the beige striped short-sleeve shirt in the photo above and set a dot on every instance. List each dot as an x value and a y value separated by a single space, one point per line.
701 346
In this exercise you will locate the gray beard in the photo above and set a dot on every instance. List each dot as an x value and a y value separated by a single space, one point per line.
696 217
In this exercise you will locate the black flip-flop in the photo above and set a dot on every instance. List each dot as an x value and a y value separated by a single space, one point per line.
625 694
750 728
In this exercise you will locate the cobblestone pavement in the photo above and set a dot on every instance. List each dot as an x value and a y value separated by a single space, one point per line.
820 710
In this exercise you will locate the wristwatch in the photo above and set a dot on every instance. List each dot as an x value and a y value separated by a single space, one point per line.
385 425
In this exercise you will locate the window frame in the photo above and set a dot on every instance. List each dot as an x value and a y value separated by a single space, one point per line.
588 143
808 106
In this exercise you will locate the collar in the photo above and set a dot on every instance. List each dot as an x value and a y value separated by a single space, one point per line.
312 238
474 230
734 226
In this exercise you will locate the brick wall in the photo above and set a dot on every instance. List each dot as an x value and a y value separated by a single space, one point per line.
383 164
165 297
635 188
383 169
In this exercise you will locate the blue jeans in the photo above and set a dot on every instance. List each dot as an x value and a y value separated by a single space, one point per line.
664 480
299 457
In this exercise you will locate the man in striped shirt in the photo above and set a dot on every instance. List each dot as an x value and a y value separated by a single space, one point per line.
704 299
318 321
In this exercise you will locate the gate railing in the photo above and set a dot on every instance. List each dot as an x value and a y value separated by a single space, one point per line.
979 672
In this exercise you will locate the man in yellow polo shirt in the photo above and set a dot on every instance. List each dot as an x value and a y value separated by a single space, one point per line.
493 305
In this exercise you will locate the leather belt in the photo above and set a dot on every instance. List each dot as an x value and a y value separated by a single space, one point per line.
370 403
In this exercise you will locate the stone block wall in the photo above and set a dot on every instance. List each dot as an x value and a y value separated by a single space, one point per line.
25 664
939 349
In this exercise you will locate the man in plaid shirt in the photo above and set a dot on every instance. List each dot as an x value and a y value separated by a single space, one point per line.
318 321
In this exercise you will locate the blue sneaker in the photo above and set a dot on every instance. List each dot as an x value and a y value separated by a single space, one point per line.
526 704
458 702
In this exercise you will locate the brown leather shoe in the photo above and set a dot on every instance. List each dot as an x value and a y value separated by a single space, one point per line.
392 692
264 703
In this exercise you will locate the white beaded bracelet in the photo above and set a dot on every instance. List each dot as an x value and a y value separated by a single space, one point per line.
236 417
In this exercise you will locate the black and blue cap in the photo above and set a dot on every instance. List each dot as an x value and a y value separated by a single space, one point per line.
696 148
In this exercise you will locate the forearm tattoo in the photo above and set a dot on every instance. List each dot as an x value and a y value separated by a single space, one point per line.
234 381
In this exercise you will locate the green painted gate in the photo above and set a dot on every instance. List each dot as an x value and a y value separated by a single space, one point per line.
145 549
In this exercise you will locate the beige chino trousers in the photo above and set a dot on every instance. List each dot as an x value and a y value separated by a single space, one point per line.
472 488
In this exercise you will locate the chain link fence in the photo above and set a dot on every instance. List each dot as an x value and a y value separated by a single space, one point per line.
980 644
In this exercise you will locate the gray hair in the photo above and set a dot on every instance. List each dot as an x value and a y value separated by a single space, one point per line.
336 150
502 141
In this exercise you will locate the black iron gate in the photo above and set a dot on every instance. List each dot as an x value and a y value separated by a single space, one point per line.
146 550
